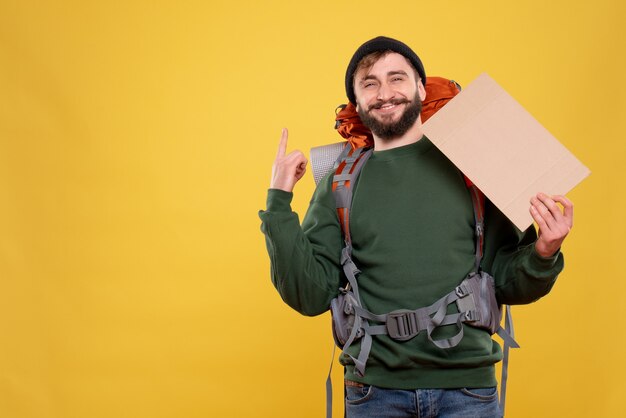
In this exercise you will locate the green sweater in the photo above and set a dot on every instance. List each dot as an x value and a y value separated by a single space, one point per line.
412 228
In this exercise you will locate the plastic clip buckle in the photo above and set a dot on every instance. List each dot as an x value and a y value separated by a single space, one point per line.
402 326
471 316
461 291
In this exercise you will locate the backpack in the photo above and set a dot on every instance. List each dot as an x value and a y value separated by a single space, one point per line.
474 296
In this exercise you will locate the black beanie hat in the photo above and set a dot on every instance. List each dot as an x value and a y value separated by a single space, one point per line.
380 43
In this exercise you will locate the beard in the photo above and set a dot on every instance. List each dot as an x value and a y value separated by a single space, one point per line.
389 129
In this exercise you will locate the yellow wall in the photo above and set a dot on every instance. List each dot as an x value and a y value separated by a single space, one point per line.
136 139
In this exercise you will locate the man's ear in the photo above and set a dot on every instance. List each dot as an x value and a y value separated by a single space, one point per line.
421 90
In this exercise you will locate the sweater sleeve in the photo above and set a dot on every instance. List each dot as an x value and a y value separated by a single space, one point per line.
305 260
521 274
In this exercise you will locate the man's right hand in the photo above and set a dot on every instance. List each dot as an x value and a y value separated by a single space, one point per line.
287 169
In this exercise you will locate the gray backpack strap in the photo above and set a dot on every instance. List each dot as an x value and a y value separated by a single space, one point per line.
340 153
348 167
478 203
343 183
508 343
329 386
506 333
479 222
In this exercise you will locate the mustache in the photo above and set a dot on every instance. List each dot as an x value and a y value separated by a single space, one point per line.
380 104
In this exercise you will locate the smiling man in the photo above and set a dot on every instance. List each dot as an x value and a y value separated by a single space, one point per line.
390 98
412 238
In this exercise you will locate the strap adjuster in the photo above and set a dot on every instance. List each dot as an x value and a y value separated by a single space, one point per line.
480 229
402 326
471 316
462 290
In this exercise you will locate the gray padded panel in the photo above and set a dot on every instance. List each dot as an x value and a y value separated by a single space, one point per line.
323 159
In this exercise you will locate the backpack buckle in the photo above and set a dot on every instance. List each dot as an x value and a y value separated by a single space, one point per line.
462 290
471 316
402 326
480 229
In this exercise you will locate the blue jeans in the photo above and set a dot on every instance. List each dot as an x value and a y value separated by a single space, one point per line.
374 402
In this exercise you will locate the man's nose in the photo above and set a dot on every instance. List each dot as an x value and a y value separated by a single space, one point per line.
385 92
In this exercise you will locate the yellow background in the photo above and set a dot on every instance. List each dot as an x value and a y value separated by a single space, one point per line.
136 139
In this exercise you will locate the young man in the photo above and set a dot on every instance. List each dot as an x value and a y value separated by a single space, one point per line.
412 229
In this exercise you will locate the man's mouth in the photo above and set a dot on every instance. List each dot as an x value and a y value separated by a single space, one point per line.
388 106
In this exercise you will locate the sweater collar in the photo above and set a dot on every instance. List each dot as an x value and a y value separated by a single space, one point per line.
419 147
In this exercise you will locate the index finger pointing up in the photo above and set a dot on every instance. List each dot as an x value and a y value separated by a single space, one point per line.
282 146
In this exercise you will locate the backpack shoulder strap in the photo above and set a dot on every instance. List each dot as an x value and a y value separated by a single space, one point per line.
507 332
478 202
349 167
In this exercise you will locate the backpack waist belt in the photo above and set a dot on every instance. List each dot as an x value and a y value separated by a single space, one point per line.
474 298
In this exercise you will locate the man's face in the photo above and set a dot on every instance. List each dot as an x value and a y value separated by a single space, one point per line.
388 96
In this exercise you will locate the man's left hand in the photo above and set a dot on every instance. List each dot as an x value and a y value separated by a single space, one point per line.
554 224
